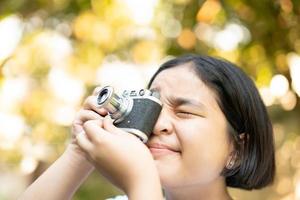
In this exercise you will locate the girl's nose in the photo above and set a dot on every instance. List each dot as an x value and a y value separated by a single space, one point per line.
164 123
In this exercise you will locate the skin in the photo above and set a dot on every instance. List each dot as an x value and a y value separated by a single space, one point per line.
185 155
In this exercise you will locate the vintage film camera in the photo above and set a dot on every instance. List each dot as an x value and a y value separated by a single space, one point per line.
136 111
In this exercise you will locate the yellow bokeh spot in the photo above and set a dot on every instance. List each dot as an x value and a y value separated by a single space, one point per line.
113 13
84 24
102 34
146 52
187 39
281 62
87 53
264 75
229 55
208 11
32 106
257 52
89 27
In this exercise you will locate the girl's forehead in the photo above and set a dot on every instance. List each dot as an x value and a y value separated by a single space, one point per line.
179 77
182 81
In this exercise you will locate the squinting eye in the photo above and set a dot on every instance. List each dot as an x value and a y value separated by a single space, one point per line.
185 114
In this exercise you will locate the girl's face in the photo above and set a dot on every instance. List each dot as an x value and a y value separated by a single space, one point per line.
190 143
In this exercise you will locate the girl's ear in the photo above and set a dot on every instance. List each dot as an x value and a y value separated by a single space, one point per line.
242 137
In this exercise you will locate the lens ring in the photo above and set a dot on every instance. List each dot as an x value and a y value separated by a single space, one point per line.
103 96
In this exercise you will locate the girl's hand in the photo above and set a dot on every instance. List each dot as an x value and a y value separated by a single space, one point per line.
121 157
89 111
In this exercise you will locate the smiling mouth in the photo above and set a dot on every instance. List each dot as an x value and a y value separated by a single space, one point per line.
159 149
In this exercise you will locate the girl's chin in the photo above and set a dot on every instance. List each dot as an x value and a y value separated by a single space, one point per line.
168 170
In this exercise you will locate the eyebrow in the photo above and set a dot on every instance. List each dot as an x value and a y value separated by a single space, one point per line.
179 101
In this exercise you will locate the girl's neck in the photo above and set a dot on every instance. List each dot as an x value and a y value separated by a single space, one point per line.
216 190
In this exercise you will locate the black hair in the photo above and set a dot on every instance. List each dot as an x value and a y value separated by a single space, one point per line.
239 100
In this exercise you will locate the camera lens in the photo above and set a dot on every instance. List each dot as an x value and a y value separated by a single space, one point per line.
117 106
104 94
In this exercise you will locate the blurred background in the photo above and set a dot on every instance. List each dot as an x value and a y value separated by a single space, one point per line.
54 52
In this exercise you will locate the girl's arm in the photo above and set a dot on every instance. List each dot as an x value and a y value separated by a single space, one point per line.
61 179
65 175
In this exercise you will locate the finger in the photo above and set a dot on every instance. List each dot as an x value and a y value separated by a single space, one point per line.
97 90
83 142
110 127
85 115
91 104
94 130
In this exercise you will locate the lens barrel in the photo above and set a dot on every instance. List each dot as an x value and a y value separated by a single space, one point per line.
117 106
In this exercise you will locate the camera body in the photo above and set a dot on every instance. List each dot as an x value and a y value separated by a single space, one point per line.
135 111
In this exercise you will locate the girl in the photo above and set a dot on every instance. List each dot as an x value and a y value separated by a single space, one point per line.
213 132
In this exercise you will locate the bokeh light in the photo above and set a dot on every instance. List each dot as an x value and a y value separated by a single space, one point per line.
288 101
279 85
229 38
187 39
11 130
11 29
267 96
141 11
294 64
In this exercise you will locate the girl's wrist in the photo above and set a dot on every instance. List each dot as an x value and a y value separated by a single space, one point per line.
77 158
147 186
